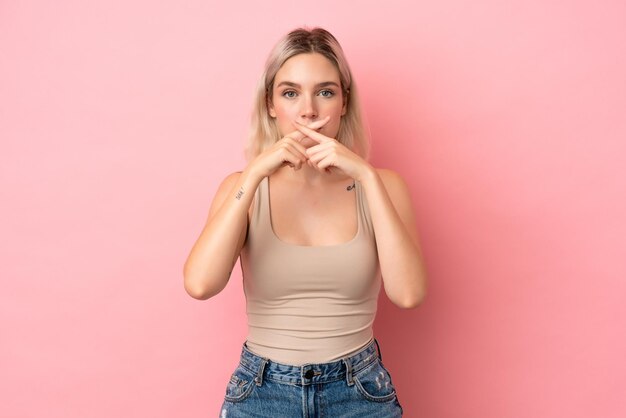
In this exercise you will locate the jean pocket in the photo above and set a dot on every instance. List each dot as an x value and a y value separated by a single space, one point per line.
240 385
374 383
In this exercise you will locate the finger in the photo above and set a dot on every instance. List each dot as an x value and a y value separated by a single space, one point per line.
295 135
310 133
297 150
324 147
326 163
296 143
291 158
314 135
295 166
318 156
318 123
298 136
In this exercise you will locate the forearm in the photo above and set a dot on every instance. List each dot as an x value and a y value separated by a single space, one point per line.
401 262
213 256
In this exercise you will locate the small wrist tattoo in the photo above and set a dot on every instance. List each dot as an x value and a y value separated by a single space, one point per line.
351 186
239 194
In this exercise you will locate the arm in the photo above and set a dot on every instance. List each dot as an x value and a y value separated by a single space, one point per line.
401 262
213 256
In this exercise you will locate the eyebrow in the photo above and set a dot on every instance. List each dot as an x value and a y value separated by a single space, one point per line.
292 84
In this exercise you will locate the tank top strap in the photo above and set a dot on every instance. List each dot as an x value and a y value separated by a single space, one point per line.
363 210
260 211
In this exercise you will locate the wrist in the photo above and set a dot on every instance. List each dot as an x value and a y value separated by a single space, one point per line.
250 178
367 174
252 173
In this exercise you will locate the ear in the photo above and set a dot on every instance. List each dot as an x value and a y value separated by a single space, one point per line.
270 108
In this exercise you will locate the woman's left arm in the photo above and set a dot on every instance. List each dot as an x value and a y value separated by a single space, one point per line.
401 261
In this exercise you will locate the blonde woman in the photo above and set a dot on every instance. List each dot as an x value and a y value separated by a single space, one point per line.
317 229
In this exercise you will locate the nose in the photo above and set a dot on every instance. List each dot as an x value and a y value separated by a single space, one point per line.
309 109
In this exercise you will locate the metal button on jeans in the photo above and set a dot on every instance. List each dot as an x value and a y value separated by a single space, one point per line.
309 374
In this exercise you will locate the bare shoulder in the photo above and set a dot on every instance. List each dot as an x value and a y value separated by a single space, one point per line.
394 182
223 190
227 183
231 179
397 189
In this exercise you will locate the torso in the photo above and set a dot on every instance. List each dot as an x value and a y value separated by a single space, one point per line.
312 284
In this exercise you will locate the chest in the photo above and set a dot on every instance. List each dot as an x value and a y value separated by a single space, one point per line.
313 218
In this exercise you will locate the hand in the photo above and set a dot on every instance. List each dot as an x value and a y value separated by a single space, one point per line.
330 154
287 151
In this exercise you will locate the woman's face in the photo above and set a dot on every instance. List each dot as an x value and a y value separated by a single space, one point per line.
307 88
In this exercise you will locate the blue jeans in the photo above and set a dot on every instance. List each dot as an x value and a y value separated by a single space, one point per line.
353 387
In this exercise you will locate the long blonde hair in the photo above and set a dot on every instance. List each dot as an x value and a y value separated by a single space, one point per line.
264 130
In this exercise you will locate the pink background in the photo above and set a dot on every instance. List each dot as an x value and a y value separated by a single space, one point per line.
507 119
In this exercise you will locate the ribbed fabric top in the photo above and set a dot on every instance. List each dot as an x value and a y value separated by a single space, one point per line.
309 304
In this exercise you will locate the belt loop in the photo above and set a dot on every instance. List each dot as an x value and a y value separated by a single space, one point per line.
378 347
348 364
259 377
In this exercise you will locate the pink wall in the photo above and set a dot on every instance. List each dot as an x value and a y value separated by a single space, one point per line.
119 120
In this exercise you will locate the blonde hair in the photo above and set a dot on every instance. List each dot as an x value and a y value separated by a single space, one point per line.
264 130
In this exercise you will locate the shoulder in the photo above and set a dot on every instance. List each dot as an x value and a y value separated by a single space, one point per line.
387 173
228 182
224 189
394 182
401 199
232 177
397 188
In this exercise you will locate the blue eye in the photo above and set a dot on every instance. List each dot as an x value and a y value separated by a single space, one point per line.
327 93
290 94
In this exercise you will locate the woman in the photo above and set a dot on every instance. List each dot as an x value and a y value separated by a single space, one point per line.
316 227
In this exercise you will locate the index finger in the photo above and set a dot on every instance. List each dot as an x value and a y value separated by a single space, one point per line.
296 137
316 136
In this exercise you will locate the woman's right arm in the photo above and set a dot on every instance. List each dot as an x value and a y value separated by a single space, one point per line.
213 256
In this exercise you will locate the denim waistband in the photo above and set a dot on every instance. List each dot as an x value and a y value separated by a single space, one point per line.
310 373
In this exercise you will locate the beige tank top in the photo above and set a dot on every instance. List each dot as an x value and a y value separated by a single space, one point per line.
308 304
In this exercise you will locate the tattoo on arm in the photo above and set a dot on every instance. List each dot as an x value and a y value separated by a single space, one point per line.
239 194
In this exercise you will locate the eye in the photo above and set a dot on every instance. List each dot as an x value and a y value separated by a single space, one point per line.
290 94
327 93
